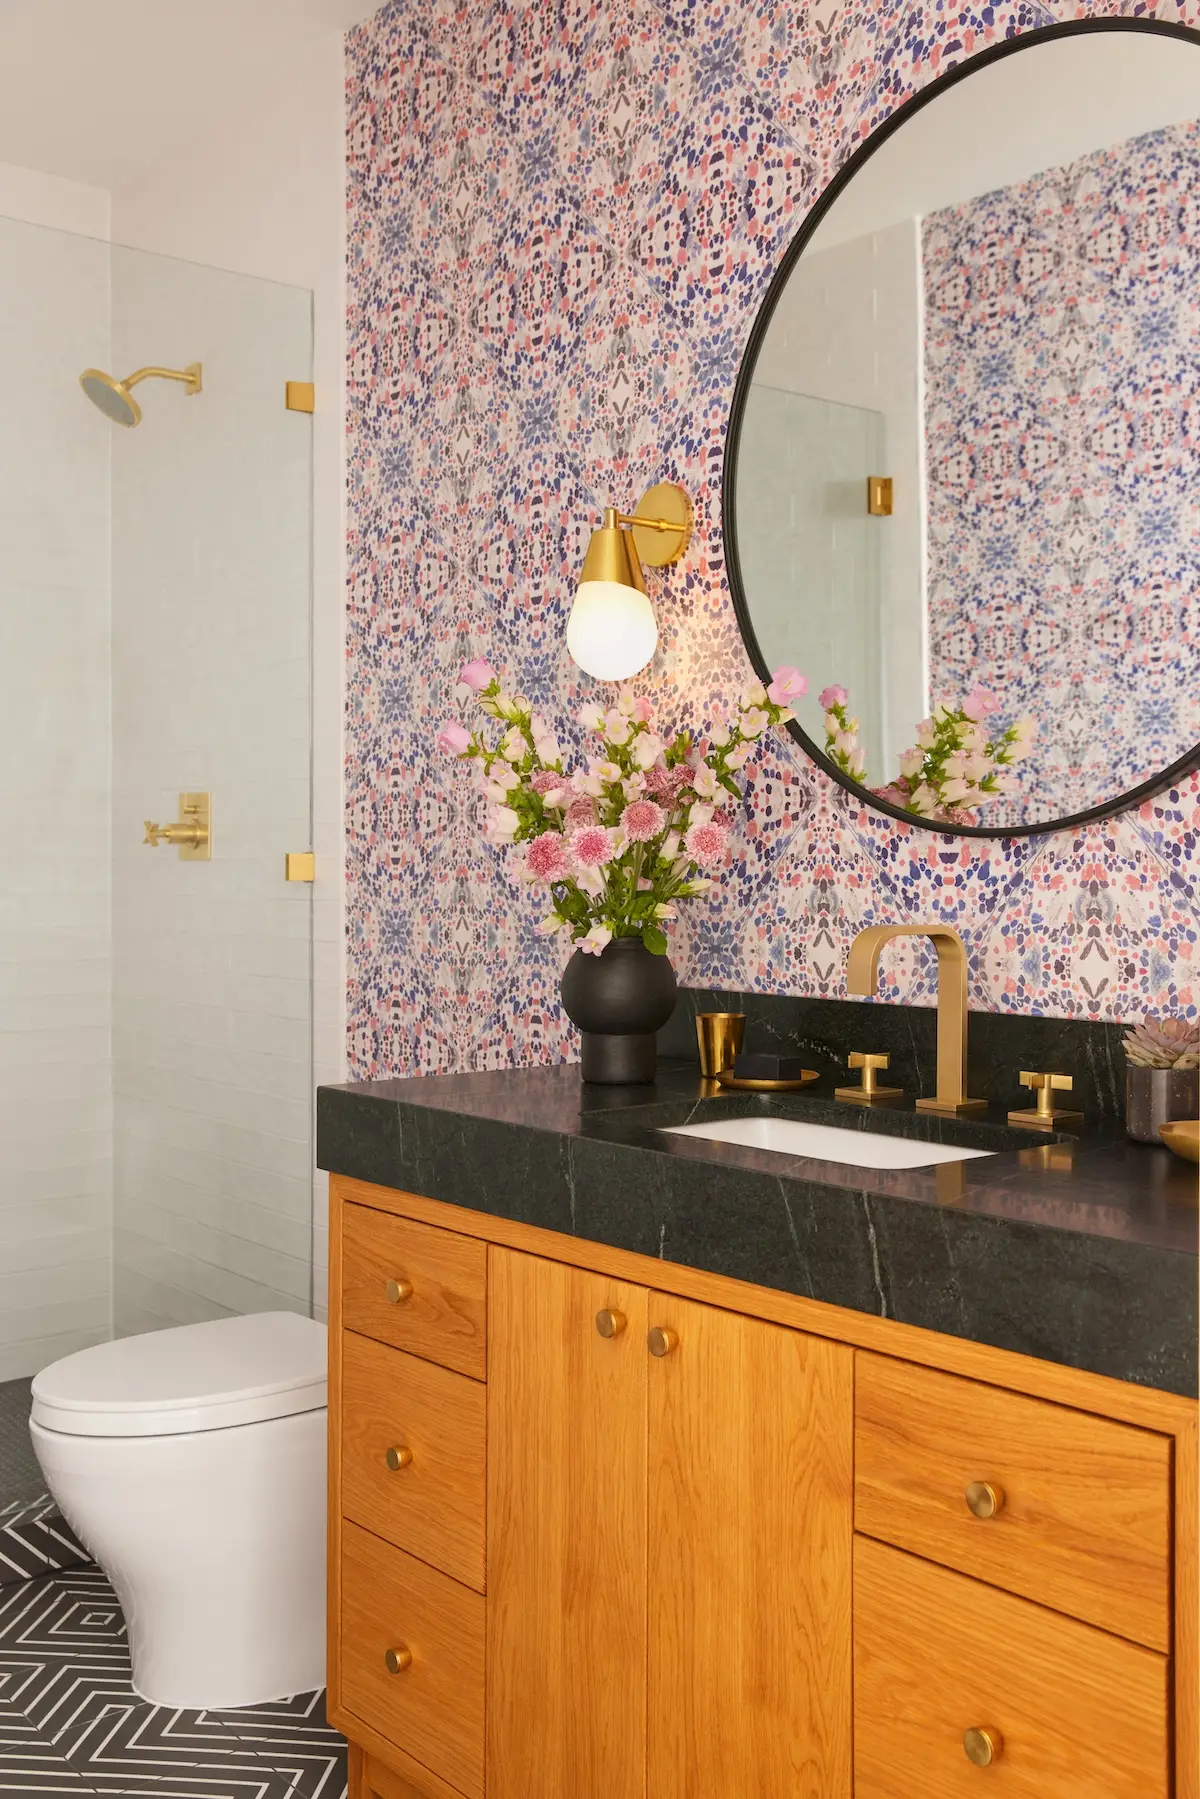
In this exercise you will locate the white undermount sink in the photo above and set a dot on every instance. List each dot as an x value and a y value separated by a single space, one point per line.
826 1143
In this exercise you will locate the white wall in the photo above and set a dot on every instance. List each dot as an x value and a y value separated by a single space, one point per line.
55 1106
264 194
848 329
1040 108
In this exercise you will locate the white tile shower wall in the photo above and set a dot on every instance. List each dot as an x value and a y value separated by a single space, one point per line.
55 1103
848 330
211 677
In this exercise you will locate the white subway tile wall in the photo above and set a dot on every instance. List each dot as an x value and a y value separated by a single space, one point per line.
55 1090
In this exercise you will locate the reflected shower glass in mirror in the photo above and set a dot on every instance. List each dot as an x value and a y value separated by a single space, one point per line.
999 310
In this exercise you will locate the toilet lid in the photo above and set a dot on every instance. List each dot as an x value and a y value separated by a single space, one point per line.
194 1377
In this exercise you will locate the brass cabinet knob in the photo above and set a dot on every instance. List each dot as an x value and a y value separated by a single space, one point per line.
398 1659
398 1457
610 1324
984 1498
982 1747
660 1341
398 1292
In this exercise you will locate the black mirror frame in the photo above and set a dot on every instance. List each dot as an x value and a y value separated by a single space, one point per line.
1124 802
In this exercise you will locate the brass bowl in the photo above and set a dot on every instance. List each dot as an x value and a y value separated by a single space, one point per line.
1183 1136
727 1078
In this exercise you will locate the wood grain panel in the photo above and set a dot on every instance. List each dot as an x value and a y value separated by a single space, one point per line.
333 1471
433 1507
381 1782
1085 1524
434 1709
1187 1614
750 1523
1145 1406
1081 1715
566 1535
445 1318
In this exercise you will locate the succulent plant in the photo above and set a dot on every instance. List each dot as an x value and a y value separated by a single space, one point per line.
1164 1043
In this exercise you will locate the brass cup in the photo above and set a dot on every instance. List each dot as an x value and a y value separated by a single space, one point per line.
719 1035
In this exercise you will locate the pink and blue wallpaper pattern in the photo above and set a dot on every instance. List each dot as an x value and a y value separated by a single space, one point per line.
562 217
1062 383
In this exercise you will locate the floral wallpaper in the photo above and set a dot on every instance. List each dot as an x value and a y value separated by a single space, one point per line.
1062 337
562 215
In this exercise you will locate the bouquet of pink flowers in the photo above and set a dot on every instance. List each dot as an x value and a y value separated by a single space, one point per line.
957 764
615 844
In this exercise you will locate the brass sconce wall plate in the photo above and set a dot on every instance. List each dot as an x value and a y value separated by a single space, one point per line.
300 396
667 530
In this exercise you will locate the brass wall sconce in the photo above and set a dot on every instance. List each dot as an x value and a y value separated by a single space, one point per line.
612 632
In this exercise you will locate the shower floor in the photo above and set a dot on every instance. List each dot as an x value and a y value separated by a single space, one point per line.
34 1538
20 1476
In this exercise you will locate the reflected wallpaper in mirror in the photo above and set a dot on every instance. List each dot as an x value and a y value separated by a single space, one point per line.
1001 311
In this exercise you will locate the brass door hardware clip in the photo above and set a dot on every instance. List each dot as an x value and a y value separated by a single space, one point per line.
870 1091
1045 1116
191 834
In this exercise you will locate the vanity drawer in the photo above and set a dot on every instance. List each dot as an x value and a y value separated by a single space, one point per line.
1083 1514
1072 1713
418 1288
432 1708
434 1424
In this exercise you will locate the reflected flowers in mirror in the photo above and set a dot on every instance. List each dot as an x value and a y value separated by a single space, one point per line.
958 763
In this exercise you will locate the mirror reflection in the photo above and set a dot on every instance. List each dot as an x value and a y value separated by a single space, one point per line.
999 315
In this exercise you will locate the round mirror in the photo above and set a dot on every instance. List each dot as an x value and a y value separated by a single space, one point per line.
962 486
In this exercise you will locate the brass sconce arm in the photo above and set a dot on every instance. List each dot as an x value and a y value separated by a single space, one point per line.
191 376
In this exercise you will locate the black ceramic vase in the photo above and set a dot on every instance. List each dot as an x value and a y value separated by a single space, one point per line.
619 999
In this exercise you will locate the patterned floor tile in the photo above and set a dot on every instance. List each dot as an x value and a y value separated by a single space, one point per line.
71 1722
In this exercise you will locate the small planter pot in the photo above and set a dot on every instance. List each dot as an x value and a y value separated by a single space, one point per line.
619 999
1156 1096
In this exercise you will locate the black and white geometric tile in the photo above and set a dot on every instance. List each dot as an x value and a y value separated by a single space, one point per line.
72 1725
35 1539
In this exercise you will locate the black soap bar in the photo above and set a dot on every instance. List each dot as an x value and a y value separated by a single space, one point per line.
762 1065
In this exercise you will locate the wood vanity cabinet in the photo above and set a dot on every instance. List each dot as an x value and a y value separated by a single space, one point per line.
606 1528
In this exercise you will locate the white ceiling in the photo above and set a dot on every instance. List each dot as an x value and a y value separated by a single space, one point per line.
101 90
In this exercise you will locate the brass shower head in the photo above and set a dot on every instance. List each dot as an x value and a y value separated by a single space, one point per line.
114 398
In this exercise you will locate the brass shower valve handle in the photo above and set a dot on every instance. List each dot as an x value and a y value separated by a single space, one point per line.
870 1090
1045 1116
191 834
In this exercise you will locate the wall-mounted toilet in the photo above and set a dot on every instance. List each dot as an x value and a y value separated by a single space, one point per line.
191 1463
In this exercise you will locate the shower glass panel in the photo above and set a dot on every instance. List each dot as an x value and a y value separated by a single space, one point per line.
804 531
155 625
211 628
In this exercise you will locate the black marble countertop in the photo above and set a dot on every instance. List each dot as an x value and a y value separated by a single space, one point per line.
1077 1250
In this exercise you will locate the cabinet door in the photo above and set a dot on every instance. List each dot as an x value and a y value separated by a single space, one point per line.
750 1523
566 1533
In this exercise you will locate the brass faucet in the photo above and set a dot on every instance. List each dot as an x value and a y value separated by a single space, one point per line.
862 974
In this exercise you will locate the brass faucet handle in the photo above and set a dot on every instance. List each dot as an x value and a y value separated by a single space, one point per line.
155 834
1045 1116
870 1090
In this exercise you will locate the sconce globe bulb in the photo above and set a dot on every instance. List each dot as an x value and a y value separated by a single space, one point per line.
612 632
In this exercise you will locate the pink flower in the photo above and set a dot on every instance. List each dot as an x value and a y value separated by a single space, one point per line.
591 846
832 696
707 843
477 674
643 820
979 703
787 684
642 711
666 784
596 941
545 780
546 858
453 739
579 812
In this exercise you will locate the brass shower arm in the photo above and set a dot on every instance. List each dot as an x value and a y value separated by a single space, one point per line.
190 376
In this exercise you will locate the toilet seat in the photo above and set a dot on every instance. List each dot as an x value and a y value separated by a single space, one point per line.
194 1377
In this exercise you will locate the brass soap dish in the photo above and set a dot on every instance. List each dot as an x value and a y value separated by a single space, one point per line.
727 1078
